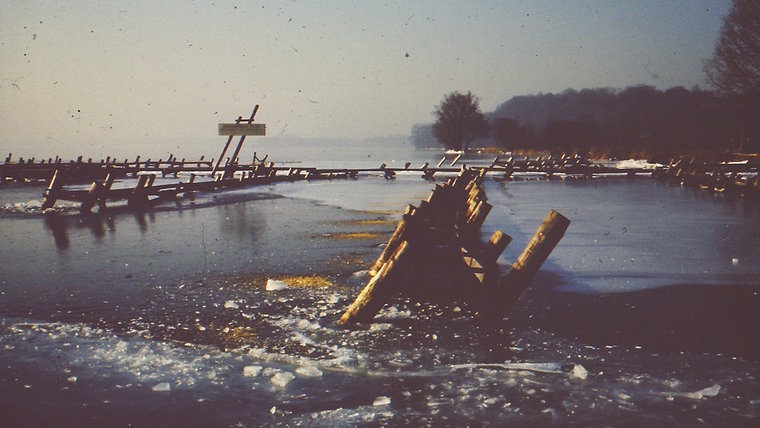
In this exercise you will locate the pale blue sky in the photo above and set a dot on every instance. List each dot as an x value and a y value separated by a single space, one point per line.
129 77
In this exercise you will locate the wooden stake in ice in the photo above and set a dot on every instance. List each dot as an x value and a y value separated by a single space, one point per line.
533 256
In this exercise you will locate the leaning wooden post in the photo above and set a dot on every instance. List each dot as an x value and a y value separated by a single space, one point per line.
96 194
477 218
399 236
535 254
224 150
377 291
51 194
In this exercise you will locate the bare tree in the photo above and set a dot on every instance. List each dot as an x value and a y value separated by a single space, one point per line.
735 66
459 121
734 70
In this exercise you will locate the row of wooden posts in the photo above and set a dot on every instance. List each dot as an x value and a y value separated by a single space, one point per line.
232 175
83 171
733 179
145 192
437 244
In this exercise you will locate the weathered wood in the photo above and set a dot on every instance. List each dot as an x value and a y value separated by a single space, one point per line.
96 195
477 218
138 197
480 272
376 293
51 194
436 229
255 129
494 247
401 234
548 235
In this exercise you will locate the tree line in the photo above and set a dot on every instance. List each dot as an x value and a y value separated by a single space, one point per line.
621 122
603 120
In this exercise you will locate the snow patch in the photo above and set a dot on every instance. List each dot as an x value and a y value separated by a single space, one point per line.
636 163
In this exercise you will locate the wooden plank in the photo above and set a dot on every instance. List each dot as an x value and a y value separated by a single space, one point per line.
259 129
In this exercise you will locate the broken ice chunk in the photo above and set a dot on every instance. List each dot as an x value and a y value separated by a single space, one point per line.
162 387
381 401
710 391
580 372
274 285
309 371
282 379
251 371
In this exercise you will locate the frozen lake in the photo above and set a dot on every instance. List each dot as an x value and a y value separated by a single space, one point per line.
646 312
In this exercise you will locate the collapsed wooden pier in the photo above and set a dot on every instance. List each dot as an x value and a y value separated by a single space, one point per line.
739 178
84 171
439 240
233 174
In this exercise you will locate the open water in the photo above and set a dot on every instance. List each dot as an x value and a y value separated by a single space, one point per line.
647 313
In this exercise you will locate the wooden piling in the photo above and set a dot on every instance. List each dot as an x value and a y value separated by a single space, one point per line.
533 256
494 247
96 195
372 298
401 234
139 198
476 219
456 159
51 194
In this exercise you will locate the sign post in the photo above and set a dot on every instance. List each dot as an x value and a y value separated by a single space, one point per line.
241 127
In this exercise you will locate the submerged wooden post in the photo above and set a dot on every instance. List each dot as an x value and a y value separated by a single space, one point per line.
533 256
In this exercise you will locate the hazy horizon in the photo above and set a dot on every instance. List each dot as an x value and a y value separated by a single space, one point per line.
128 78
